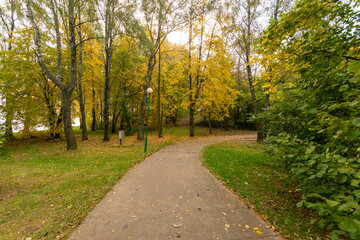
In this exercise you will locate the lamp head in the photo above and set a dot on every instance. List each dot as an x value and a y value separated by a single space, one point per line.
149 90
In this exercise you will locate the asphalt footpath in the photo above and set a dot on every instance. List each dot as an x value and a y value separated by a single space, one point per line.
171 195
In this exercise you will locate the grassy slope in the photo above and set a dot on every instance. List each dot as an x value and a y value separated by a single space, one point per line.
45 191
260 182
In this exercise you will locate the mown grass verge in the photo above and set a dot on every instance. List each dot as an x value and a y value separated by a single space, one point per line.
259 181
46 191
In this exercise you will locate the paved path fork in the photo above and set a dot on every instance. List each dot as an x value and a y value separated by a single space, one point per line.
171 196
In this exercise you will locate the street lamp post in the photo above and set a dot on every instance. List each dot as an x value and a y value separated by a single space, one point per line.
149 91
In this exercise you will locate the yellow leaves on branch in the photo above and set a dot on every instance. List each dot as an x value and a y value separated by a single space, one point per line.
218 93
274 66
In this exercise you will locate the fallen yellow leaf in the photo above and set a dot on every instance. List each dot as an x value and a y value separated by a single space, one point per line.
257 230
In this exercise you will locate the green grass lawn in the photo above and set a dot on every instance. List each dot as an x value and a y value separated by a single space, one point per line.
184 131
257 179
46 191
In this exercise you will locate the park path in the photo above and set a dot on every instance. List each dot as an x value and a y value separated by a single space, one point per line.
171 196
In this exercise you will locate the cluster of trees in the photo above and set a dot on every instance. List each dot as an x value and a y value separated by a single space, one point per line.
95 59
299 78
312 60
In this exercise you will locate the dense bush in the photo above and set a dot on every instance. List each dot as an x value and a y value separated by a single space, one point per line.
313 64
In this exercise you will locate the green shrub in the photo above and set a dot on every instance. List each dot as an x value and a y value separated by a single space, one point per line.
314 120
329 182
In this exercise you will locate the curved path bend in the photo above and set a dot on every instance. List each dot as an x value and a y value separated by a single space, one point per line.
171 196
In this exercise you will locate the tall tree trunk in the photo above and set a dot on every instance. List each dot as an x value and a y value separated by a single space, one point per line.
52 120
191 94
195 86
106 114
116 112
113 123
108 60
70 137
159 119
248 42
69 133
260 134
81 99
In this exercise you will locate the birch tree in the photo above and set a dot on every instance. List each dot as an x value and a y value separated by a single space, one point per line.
198 24
66 88
115 15
241 30
161 18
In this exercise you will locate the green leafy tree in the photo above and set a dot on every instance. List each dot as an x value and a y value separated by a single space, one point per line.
173 82
242 28
314 119
66 88
218 94
161 17
10 14
33 97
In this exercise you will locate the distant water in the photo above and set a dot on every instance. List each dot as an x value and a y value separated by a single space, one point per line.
18 126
